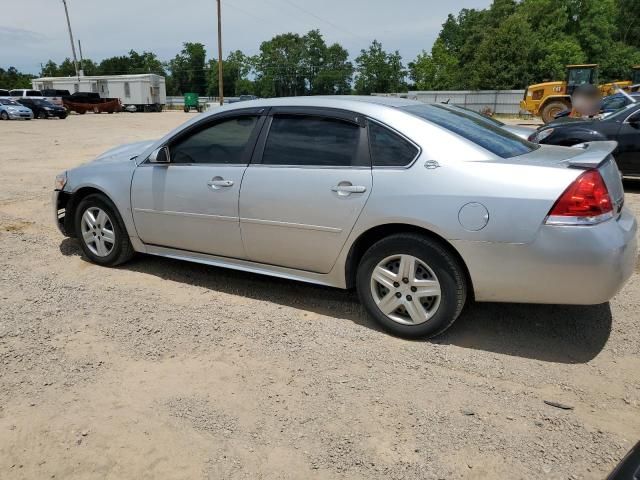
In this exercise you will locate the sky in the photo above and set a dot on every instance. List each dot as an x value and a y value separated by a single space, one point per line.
37 31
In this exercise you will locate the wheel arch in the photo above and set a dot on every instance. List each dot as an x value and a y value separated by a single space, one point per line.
69 201
367 238
566 99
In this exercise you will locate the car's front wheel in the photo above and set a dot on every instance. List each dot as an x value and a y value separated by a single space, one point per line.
4 115
101 231
411 285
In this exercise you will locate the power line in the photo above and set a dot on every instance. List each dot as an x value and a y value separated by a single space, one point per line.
328 22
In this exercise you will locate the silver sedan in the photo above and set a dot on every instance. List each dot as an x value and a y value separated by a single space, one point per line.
419 207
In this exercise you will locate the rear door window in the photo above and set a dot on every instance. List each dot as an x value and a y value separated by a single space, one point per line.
389 149
307 140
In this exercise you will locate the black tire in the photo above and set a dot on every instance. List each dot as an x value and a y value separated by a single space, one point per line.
445 267
551 109
42 115
122 250
186 109
63 116
4 115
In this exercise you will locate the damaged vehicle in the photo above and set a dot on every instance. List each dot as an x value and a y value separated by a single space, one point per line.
421 208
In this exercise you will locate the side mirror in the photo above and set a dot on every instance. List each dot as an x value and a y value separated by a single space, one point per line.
161 155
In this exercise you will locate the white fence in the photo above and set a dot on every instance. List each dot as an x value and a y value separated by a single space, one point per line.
179 101
505 102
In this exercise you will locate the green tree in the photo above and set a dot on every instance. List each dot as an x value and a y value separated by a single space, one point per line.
11 78
236 70
515 43
50 69
378 71
188 70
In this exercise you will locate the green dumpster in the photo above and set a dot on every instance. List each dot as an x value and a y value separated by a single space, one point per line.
191 101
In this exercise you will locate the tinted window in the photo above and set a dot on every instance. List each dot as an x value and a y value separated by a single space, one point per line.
491 137
307 140
614 103
389 149
225 142
33 93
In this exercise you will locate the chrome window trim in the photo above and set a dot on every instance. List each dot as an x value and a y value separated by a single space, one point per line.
401 135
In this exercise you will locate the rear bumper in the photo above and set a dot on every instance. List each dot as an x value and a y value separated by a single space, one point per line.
563 265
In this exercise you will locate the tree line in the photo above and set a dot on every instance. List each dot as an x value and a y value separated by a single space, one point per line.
510 44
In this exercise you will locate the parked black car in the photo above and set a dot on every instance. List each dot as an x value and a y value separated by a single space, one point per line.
43 109
623 126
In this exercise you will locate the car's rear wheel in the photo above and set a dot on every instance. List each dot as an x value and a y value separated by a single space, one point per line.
100 229
411 285
42 115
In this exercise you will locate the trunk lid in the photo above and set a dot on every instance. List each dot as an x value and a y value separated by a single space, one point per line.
585 156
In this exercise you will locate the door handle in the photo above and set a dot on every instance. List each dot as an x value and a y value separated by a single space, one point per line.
348 189
218 182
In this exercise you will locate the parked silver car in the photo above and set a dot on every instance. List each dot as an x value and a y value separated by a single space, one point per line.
12 110
419 207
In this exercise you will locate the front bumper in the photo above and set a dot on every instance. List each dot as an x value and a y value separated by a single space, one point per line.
563 265
59 212
20 116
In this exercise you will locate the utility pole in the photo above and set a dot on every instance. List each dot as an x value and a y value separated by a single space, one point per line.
220 80
73 46
81 59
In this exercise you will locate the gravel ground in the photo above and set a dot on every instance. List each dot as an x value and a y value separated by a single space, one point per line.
162 369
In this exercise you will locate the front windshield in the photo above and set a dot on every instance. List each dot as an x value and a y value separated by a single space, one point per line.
5 101
479 131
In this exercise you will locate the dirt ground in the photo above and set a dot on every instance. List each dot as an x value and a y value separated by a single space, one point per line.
161 369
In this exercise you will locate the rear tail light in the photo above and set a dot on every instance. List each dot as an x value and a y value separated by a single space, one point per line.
585 202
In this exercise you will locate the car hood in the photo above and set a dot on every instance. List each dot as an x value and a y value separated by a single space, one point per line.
124 153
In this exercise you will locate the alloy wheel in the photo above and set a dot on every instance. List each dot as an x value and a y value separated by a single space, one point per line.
98 232
405 289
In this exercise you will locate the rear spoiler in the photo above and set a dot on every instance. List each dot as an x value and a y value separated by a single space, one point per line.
594 153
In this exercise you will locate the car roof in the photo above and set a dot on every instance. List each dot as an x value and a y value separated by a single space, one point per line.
347 102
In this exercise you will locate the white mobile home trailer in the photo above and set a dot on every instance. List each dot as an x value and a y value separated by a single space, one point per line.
146 91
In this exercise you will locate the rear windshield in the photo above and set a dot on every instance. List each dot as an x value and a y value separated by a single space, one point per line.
479 131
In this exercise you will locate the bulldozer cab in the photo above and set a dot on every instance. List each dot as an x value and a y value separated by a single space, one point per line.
578 75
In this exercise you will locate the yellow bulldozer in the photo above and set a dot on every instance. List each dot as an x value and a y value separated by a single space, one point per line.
550 98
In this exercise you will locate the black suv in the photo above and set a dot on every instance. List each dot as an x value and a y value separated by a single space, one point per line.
42 108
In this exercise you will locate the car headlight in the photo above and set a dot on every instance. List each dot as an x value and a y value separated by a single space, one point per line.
12 109
61 181
541 135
